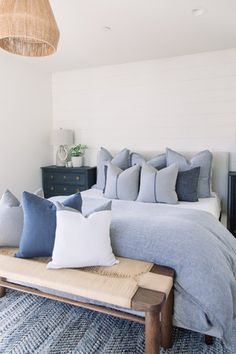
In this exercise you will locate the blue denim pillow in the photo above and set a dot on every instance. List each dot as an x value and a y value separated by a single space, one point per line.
37 239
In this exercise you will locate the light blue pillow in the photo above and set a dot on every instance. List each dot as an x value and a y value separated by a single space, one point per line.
120 160
203 160
158 161
37 239
158 186
11 219
122 184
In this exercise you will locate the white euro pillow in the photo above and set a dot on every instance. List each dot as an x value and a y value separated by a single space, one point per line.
82 241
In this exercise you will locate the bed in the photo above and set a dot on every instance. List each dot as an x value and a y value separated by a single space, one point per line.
189 238
205 259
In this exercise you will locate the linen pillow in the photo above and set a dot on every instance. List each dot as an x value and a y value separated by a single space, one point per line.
187 185
90 206
203 160
158 186
158 161
39 228
121 160
11 219
122 184
8 199
81 241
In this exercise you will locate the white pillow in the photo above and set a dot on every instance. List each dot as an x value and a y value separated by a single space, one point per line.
81 241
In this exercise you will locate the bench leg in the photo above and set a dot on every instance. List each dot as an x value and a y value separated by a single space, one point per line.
166 321
152 332
208 340
2 291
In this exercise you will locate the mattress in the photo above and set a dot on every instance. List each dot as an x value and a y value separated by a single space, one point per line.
211 205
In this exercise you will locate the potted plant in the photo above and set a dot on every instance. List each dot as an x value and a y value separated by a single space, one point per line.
77 154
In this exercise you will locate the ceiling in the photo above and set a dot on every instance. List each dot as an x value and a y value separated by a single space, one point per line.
140 30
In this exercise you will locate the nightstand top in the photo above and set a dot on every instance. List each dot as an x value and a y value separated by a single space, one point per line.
63 168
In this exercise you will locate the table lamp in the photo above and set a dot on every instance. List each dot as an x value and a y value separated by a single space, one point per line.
62 138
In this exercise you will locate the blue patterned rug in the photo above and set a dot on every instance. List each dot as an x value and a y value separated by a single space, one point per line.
30 324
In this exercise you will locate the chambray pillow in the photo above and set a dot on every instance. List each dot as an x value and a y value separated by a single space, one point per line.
11 219
122 184
187 185
203 160
120 160
90 206
39 228
158 186
82 241
158 161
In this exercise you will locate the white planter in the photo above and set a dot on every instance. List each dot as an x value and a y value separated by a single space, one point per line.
77 161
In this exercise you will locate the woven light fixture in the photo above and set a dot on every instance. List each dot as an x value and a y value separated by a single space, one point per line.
28 27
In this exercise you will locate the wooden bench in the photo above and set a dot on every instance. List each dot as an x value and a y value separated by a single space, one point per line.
157 305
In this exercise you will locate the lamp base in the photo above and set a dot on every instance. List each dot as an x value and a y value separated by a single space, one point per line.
61 156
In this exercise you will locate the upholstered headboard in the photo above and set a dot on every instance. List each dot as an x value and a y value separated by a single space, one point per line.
219 171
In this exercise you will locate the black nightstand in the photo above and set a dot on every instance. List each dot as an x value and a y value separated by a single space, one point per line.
67 180
231 211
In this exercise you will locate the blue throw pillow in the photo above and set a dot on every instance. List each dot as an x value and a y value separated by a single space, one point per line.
37 239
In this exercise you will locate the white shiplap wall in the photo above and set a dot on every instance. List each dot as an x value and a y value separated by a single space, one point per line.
187 103
25 124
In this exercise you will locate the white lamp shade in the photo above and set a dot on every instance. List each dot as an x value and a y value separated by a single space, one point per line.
62 137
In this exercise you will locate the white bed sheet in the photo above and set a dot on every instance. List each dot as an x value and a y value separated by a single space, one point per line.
211 205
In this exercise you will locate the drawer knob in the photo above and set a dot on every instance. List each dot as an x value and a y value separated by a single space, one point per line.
51 176
64 177
52 188
77 178
65 189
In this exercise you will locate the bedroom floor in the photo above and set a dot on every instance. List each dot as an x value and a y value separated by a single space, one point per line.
31 324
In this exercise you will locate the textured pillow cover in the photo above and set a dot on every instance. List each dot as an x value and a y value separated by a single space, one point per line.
121 160
187 185
158 161
91 206
158 186
203 160
82 241
122 184
11 219
39 228
8 199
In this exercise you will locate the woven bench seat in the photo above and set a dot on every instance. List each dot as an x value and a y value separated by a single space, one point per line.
131 284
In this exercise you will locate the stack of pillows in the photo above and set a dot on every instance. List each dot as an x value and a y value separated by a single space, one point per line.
166 178
42 228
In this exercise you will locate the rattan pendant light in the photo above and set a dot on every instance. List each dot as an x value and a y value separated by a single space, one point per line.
28 27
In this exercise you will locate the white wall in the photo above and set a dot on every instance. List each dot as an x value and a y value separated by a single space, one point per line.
187 103
25 123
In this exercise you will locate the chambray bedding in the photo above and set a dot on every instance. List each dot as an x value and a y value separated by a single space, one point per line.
196 245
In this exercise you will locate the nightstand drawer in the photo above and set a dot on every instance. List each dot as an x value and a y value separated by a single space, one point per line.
65 189
66 178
